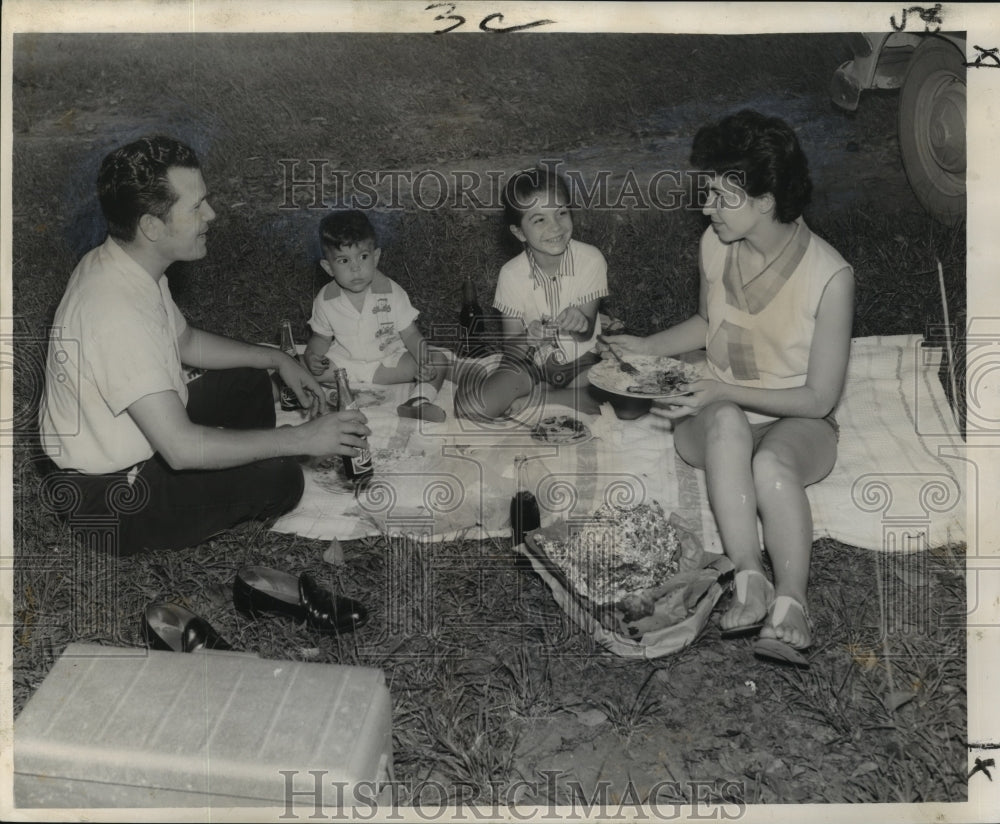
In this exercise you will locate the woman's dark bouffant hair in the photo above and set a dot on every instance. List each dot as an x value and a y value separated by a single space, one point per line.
765 155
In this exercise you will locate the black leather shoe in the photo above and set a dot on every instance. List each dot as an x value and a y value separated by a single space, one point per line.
259 589
170 627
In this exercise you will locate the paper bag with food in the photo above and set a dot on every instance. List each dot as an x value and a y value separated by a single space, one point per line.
640 582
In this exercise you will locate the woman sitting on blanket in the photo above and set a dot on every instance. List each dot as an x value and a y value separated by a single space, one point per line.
775 312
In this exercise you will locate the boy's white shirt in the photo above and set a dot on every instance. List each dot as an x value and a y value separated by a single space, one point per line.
355 332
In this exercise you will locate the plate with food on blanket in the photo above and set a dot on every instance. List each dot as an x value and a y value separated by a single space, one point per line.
561 429
655 376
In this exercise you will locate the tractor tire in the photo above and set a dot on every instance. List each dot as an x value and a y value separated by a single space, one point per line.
932 129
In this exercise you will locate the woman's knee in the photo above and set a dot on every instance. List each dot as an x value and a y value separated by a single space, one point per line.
725 422
794 451
774 469
721 425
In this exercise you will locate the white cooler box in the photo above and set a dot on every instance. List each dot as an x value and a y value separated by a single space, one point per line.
115 727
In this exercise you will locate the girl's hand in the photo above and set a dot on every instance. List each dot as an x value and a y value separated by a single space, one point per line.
535 331
317 363
571 319
699 394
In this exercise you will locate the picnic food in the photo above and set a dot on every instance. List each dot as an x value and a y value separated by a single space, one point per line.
617 555
656 376
561 429
660 382
638 581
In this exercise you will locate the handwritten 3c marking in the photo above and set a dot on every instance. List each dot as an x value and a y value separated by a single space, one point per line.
447 11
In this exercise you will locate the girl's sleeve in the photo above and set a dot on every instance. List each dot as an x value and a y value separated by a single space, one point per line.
506 300
592 275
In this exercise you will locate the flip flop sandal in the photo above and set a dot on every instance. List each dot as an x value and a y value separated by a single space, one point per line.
782 652
421 409
742 580
771 649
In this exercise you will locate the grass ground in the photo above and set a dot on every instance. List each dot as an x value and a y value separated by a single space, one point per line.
489 683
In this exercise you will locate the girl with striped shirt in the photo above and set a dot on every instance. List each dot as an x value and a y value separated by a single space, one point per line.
548 299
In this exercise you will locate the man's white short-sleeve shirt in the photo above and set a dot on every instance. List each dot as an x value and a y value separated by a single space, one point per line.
114 340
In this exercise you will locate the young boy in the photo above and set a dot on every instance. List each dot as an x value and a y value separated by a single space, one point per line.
363 321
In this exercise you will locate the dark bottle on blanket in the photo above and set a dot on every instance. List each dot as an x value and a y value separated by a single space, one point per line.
358 468
470 318
524 513
286 397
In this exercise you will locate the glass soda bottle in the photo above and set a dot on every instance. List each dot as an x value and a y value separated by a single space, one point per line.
286 397
358 468
469 319
524 513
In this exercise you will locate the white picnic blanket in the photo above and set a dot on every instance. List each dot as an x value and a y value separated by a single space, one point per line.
894 488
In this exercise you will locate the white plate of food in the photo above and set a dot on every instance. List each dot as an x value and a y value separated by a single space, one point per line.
657 377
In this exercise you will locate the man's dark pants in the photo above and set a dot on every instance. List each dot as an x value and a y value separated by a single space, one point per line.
165 508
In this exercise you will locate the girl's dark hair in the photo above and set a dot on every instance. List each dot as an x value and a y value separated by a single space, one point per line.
348 228
524 188
132 182
762 153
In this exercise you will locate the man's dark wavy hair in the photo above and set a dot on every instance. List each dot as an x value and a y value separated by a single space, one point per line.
132 182
763 153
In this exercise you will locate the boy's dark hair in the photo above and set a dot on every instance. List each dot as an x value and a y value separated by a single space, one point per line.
764 155
132 182
523 190
340 229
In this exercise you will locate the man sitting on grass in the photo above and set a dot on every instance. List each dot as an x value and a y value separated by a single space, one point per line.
172 462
